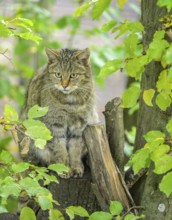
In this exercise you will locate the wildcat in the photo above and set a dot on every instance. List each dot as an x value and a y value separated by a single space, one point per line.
66 86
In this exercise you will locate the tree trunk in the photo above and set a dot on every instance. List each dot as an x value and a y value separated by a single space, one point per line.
151 118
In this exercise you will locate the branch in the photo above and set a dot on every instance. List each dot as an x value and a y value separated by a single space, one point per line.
8 58
115 130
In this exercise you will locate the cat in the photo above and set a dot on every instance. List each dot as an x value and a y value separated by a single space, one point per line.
66 86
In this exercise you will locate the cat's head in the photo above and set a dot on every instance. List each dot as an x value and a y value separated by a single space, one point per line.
69 70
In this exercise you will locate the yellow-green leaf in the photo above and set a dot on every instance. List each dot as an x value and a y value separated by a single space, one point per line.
99 7
10 114
148 95
130 96
55 214
163 100
37 111
121 3
115 208
83 8
166 183
163 164
27 214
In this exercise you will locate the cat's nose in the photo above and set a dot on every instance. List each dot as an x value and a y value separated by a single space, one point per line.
65 84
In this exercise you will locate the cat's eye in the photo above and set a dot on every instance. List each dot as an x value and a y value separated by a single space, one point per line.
58 75
73 75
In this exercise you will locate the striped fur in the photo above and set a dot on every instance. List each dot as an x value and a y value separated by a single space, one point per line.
66 86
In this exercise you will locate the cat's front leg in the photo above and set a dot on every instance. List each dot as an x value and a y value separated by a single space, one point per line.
76 147
60 153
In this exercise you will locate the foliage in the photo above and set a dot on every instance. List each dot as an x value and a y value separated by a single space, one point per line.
18 27
131 53
157 148
13 175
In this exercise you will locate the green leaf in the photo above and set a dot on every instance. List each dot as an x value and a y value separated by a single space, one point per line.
40 143
153 135
166 183
59 168
29 36
37 111
135 27
131 45
157 47
5 31
160 151
169 127
22 22
127 26
42 174
55 214
100 216
148 96
37 130
31 186
110 67
133 217
7 188
27 214
139 66
99 7
140 159
6 157
79 11
20 167
167 56
164 83
108 26
163 164
121 3
159 35
163 101
45 201
154 144
130 96
115 208
10 114
76 210
166 3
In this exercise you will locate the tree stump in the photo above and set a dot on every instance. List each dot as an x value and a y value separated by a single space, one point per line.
73 192
108 183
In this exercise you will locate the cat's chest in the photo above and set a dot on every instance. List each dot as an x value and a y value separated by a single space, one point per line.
65 115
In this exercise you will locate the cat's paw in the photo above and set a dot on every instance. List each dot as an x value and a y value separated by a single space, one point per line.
77 171
65 175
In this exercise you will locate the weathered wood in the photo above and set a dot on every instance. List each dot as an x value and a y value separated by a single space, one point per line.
115 130
108 183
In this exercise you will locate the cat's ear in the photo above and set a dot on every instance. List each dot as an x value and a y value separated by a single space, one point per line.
52 54
83 55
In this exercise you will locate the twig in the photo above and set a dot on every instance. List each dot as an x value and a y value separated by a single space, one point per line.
8 58
131 208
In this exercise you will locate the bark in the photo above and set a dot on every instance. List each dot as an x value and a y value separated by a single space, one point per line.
151 118
115 131
108 182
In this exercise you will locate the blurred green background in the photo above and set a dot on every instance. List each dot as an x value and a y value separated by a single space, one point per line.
54 22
